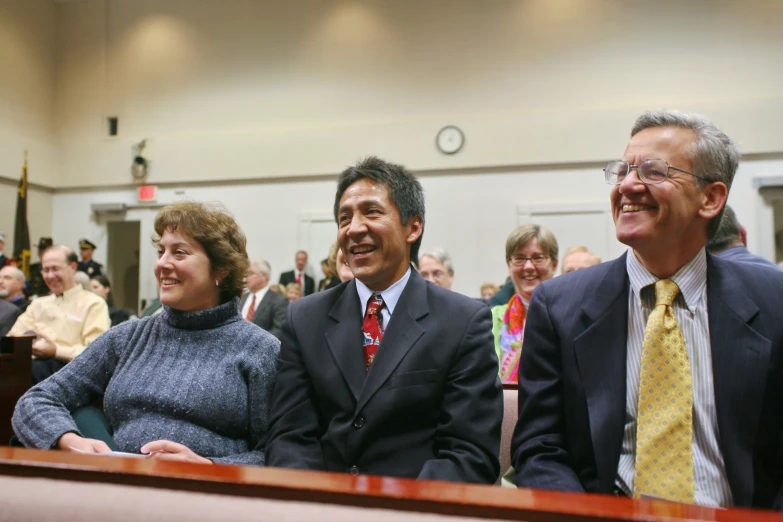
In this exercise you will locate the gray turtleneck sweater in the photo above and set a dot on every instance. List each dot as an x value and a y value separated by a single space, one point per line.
202 379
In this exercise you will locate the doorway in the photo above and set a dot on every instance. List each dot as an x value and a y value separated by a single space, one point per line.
123 263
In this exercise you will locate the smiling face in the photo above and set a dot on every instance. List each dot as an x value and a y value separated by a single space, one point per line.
183 271
528 276
58 274
669 218
375 243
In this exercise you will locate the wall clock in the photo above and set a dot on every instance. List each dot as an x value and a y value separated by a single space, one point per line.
450 139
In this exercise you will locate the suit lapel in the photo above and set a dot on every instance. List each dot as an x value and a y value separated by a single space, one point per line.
345 338
601 354
400 335
740 360
261 306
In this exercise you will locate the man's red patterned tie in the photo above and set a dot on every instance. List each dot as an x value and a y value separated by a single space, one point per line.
372 329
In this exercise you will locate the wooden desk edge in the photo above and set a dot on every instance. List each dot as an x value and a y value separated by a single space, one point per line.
360 491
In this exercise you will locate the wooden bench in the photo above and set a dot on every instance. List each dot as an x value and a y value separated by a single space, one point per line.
55 485
15 378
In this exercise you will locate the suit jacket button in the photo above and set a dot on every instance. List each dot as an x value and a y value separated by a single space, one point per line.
358 423
353 470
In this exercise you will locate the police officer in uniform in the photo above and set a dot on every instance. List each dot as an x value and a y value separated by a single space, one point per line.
36 285
88 265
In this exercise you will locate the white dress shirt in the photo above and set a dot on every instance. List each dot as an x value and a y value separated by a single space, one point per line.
259 295
390 296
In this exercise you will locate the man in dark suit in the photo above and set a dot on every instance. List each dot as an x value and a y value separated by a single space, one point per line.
259 305
731 239
8 316
88 265
667 356
386 374
298 276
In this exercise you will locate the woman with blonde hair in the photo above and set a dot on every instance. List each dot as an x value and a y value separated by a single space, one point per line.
531 256
193 383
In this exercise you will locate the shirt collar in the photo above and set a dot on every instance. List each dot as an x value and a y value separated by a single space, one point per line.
71 293
691 278
390 296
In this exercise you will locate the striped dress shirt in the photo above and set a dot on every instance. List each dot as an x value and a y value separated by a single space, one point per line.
690 307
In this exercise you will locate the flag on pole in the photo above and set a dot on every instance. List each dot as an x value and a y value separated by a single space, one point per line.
21 230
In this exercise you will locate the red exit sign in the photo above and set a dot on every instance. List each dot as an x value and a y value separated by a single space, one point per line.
148 193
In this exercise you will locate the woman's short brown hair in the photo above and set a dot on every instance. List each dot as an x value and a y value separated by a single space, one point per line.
218 233
521 235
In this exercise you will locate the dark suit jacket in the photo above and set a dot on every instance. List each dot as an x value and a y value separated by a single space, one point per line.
572 385
270 312
22 304
8 315
430 406
290 277
742 254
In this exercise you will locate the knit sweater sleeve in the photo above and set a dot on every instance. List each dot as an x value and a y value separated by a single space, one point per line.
42 415
261 382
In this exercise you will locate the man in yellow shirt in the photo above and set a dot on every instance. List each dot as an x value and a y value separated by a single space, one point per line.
65 321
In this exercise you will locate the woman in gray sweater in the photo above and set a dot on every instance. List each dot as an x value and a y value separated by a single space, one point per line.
193 383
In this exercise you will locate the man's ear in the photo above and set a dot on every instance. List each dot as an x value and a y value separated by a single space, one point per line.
74 267
416 225
714 198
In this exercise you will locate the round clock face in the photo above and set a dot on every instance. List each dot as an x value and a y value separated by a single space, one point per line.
450 139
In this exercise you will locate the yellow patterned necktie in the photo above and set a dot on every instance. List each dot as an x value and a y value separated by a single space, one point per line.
664 423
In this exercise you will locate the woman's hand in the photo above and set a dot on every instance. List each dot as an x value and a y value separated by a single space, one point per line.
167 450
76 444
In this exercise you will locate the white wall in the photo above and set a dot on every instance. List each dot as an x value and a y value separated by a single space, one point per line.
27 55
470 215
242 89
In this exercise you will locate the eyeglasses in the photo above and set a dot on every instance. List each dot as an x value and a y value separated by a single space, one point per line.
537 260
651 171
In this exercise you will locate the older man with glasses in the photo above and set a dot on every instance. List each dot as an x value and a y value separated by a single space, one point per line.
657 374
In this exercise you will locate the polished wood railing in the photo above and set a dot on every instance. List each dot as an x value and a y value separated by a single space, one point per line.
458 500
15 378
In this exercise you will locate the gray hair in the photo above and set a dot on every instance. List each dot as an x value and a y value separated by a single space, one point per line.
727 234
82 279
263 266
441 256
18 274
713 154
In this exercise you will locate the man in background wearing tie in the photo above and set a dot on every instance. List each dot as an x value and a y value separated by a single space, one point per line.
259 305
387 374
658 374
305 282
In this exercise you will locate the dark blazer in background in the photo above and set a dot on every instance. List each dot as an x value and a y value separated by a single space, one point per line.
8 315
572 384
270 312
290 277
742 254
430 406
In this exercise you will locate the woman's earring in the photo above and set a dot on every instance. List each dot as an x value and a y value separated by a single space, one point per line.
217 282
